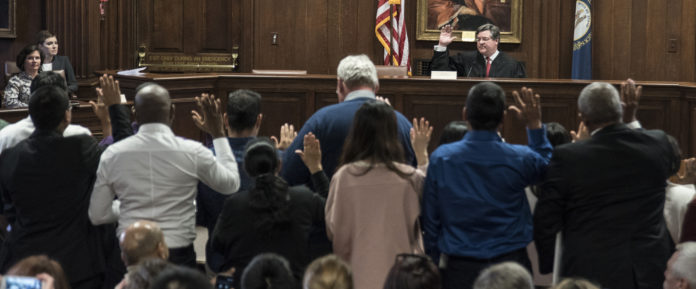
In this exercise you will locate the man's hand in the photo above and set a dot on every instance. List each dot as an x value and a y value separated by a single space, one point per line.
311 156
210 118
446 36
528 107
383 99
630 97
581 134
109 90
47 280
420 137
102 113
287 135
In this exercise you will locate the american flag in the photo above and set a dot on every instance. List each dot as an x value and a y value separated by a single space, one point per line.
394 33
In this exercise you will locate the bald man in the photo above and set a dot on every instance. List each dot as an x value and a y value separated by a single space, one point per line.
154 174
142 240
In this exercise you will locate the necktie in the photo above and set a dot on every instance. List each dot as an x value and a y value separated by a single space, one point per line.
488 66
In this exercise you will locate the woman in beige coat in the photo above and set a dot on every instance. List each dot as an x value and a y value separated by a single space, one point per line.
374 198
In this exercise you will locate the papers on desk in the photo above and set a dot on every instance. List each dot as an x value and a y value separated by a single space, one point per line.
443 75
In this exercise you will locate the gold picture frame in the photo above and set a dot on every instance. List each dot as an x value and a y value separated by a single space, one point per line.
506 14
8 29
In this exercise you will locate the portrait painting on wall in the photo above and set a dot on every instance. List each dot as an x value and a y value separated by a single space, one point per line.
7 19
466 15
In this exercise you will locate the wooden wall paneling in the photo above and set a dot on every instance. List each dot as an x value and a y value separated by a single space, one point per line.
288 51
324 98
316 47
687 43
282 107
218 31
247 41
669 26
565 38
168 25
439 110
640 50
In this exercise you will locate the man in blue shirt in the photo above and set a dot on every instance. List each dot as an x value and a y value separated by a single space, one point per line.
475 212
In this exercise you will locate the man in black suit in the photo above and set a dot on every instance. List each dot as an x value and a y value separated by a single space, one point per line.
487 61
606 194
46 182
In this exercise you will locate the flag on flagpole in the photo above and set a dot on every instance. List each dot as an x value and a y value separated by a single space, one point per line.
394 33
582 41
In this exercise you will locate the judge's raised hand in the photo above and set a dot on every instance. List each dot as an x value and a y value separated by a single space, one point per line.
287 135
630 97
420 137
109 90
446 36
311 156
209 119
527 107
581 134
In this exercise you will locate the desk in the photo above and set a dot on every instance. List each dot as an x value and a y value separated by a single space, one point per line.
670 106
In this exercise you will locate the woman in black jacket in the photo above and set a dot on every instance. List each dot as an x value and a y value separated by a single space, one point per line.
48 43
271 217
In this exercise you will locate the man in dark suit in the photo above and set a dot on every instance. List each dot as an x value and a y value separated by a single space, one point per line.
606 194
46 182
487 61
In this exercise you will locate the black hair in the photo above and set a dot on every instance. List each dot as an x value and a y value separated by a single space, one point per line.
453 131
485 106
178 277
413 272
47 107
42 35
374 138
557 134
270 193
243 107
22 56
268 271
48 78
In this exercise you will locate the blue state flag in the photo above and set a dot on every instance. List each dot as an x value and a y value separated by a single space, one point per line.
582 41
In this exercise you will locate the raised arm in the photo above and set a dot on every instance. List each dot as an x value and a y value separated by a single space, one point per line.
420 137
218 172
311 157
528 109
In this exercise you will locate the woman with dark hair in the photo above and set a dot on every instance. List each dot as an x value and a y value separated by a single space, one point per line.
454 131
48 43
271 217
374 199
37 266
17 91
412 271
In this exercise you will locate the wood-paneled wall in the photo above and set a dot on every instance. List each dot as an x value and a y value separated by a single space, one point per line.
631 38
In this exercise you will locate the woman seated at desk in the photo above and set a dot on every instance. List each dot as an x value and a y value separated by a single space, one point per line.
17 91
48 43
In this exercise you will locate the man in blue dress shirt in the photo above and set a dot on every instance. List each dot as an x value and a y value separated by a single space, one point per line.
475 212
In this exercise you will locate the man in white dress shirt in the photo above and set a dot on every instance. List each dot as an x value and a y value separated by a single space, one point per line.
154 173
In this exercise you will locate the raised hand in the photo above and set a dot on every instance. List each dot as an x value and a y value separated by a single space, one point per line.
420 137
446 35
581 134
210 117
527 107
630 97
311 156
287 135
109 90
383 99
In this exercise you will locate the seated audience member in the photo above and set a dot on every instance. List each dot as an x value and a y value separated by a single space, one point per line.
679 193
453 131
155 174
268 271
142 275
413 272
17 92
22 129
506 275
488 61
475 210
271 216
680 268
48 43
45 184
374 200
142 240
328 272
243 120
43 268
177 277
606 193
575 283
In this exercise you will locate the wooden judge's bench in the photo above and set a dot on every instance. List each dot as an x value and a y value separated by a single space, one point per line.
670 106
